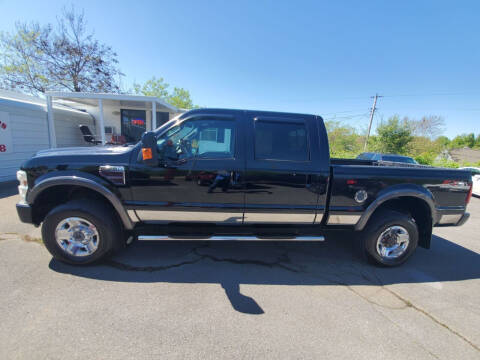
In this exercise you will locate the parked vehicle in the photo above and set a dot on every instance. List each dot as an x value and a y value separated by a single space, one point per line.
386 157
475 171
269 177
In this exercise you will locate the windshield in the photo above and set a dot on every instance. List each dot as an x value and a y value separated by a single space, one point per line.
365 156
474 171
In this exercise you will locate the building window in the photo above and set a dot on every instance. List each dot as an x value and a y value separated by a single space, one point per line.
162 118
134 124
209 135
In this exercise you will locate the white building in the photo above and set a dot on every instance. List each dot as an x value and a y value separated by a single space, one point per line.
24 129
29 124
118 114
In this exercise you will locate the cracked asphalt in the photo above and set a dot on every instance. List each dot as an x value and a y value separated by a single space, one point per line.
239 300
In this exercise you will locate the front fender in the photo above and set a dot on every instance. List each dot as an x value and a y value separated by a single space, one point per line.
83 180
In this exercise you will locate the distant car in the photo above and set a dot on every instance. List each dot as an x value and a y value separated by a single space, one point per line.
475 179
386 157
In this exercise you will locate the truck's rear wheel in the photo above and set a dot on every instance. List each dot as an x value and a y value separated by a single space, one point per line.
81 232
390 238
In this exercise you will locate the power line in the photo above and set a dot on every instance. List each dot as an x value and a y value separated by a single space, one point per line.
413 95
346 117
374 107
434 94
340 112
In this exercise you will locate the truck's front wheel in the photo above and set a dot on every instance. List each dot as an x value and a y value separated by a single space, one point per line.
81 232
390 238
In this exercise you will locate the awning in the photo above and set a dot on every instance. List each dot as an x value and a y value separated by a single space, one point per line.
100 99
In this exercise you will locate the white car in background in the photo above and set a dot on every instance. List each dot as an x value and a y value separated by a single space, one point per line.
475 179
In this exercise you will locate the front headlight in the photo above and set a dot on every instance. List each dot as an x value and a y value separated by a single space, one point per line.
23 187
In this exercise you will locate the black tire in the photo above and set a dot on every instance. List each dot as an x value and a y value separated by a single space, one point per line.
381 221
109 228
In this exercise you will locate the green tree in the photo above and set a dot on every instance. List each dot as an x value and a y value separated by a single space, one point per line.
152 87
179 97
463 140
443 141
394 136
470 140
38 58
344 140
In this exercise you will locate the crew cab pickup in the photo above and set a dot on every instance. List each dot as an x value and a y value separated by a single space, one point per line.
234 175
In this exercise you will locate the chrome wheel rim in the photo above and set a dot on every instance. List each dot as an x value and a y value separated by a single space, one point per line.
77 237
393 242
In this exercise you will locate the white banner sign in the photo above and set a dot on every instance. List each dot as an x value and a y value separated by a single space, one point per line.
6 144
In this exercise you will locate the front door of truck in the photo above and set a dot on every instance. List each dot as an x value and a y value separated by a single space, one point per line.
198 177
285 175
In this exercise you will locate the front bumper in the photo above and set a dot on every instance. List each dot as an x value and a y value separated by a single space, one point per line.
25 213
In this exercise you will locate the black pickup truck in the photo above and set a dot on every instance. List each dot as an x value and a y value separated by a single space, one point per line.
234 175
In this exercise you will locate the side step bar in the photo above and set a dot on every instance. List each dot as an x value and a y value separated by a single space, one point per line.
228 238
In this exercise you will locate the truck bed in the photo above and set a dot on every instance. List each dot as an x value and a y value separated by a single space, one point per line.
359 162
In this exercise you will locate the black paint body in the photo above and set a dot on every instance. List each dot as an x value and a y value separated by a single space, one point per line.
274 195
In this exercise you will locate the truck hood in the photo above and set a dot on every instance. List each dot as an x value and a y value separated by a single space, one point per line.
82 151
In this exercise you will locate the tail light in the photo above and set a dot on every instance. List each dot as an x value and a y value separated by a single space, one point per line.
460 185
469 195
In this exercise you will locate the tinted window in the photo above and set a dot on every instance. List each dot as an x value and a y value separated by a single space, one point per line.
281 141
403 159
162 118
208 139
473 171
365 156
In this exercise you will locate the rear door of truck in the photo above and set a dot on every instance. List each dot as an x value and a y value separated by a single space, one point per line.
287 168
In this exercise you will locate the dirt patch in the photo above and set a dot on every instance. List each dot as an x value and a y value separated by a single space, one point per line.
29 238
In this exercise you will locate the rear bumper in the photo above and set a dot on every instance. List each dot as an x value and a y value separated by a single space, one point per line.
25 213
453 219
463 219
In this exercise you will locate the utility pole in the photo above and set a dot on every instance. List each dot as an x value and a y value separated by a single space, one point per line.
374 107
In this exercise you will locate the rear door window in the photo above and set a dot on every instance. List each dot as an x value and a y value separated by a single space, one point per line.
281 141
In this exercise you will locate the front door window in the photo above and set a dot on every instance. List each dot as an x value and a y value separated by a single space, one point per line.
133 124
200 139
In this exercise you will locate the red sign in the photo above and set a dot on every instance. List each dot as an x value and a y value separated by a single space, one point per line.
5 133
139 122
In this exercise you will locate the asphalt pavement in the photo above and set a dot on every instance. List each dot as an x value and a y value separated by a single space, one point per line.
239 300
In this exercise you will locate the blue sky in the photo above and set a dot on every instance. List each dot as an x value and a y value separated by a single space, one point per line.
321 57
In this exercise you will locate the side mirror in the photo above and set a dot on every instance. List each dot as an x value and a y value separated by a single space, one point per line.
149 149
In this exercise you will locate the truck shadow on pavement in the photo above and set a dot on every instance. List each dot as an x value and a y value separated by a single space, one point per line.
232 264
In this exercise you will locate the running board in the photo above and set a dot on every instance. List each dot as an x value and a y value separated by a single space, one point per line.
228 238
